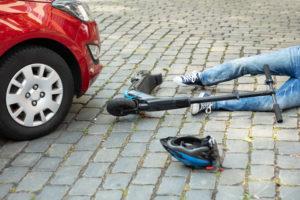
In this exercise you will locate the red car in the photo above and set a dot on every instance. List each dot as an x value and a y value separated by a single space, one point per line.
49 52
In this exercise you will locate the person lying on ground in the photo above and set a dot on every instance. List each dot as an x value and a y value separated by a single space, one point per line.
285 62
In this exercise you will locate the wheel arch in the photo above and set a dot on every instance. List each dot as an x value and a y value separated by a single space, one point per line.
60 49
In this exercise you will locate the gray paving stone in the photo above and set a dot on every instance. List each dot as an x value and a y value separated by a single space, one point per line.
123 126
88 143
4 189
262 172
232 177
289 193
289 122
99 129
147 124
47 164
87 114
263 118
79 158
196 194
3 163
155 146
171 186
20 196
78 126
106 155
58 150
134 149
202 180
190 129
147 176
240 123
237 146
237 134
222 116
66 175
263 143
155 160
260 189
172 120
108 93
116 181
141 136
85 186
290 177
52 192
26 159
140 192
215 126
265 131
177 169
235 160
11 149
262 157
288 162
33 181
13 174
83 99
167 197
288 147
230 193
69 137
164 132
288 135
96 170
105 119
115 140
126 165
38 146
113 85
75 108
109 194
70 197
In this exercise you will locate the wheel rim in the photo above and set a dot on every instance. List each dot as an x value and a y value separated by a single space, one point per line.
34 95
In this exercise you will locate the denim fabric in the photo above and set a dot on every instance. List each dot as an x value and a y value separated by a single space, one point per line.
285 62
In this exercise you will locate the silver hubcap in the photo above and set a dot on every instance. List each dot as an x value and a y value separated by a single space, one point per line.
34 95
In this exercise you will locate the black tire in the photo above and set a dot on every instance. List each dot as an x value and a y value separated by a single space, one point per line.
12 64
121 107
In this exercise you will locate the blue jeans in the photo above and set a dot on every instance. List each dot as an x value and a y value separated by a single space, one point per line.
285 62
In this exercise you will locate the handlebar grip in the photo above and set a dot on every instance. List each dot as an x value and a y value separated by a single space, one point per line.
267 73
278 114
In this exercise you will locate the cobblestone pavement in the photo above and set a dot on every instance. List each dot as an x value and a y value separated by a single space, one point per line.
96 156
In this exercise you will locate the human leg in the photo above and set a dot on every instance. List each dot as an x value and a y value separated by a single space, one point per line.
288 96
282 62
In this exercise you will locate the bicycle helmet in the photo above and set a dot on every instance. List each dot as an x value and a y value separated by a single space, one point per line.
192 151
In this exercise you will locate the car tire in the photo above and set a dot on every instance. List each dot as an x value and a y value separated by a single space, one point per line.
36 91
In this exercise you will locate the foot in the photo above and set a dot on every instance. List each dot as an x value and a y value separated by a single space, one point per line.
189 79
201 107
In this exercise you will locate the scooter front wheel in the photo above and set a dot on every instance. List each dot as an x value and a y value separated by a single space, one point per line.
121 107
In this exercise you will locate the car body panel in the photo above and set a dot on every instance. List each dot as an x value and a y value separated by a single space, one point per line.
21 21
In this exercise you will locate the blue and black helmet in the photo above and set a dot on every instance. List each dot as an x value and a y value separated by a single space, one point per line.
192 151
